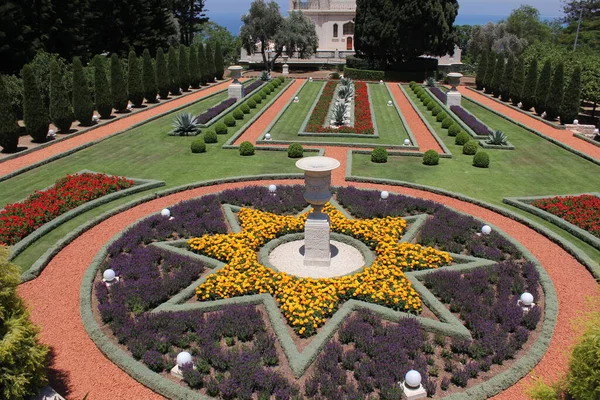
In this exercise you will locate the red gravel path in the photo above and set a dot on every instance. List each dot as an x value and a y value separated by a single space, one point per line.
424 137
564 136
54 297
105 130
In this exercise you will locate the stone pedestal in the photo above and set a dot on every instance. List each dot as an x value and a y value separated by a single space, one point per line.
286 67
317 177
413 393
236 89
587 130
453 97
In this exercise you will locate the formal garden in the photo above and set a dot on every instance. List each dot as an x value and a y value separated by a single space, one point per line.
151 197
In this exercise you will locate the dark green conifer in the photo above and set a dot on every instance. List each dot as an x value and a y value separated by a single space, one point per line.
35 115
118 88
149 78
489 72
174 81
210 62
219 64
162 74
556 93
9 128
569 109
516 87
202 64
507 78
481 69
102 95
184 68
498 74
83 106
135 84
194 67
61 112
528 93
543 87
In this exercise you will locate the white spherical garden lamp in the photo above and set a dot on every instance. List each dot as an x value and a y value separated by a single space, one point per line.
268 136
272 188
406 142
526 299
296 99
95 118
576 121
412 379
389 103
486 229
596 132
166 213
385 194
109 275
183 358
51 132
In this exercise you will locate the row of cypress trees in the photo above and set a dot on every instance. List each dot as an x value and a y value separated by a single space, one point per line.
145 79
544 90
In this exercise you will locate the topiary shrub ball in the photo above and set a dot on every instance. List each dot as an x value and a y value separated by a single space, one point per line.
263 94
441 116
453 130
481 160
210 137
295 150
431 157
221 128
229 121
436 110
379 155
238 114
251 103
470 148
257 98
447 122
245 108
246 149
462 138
198 146
431 105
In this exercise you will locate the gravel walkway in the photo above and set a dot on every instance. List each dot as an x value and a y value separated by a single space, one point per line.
562 135
54 296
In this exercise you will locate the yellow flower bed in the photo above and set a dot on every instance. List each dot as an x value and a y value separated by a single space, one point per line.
307 303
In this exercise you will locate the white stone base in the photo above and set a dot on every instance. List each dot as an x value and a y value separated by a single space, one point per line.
524 307
453 98
316 241
110 283
177 372
236 90
587 130
47 393
286 69
413 393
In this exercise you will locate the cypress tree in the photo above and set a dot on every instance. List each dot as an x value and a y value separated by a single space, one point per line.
219 64
118 88
35 115
481 69
507 78
556 93
194 67
528 93
162 74
174 83
202 64
61 112
82 100
149 78
498 74
210 63
135 85
489 72
101 89
543 88
184 69
9 129
570 105
517 83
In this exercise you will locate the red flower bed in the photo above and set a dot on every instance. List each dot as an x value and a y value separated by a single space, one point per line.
582 211
363 124
20 219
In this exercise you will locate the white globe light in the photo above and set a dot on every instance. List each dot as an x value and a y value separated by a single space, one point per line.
380 81
129 106
385 194
268 136
576 121
51 132
526 299
109 275
296 98
166 213
412 378
310 78
596 131
389 103
406 142
95 118
272 188
157 97
184 358
486 230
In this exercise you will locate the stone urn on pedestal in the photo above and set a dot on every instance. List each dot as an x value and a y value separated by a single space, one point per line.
286 67
317 177
453 97
236 89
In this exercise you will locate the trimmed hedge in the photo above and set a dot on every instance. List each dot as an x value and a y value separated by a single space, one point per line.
118 87
198 146
470 148
462 138
210 137
251 103
9 128
61 111
220 128
257 98
379 155
246 149
481 160
447 122
295 150
229 121
35 115
245 108
238 114
363 75
431 157
454 130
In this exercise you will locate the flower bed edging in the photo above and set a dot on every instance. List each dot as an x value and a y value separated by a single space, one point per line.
524 203
140 185
243 100
507 146
587 139
455 117
409 131
283 110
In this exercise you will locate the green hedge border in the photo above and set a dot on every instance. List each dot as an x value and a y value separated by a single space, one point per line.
524 203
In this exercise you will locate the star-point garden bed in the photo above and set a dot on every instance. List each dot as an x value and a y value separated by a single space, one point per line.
239 348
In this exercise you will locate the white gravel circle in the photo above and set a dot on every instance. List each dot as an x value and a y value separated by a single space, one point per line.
289 258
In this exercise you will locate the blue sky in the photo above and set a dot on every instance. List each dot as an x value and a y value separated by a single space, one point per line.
228 12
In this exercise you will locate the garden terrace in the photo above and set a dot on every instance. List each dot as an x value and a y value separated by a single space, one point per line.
210 116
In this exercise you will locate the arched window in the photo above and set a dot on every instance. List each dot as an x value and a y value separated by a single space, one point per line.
335 30
349 28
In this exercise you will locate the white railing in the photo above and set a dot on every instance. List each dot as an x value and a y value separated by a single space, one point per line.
324 5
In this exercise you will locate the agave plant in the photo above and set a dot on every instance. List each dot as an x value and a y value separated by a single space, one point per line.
497 138
264 76
339 114
431 81
184 125
346 82
345 93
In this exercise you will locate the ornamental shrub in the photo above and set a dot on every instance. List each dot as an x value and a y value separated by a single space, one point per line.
509 73
148 78
583 380
281 79
238 114
198 146
432 104
184 68
246 149
518 80
83 107
162 74
202 64
481 160
209 52
447 122
135 83
462 138
118 87
543 88
441 116
245 108
570 104
101 89
481 68
257 98
379 155
436 110
470 148
61 112
427 101
174 72
489 72
9 128
263 94
221 128
194 67
229 120
454 130
431 157
295 150
528 93
497 78
210 136
251 103
35 115
23 360
556 94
